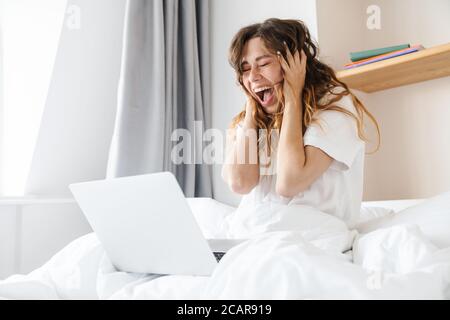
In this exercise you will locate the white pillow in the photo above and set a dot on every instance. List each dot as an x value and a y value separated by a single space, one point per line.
395 205
210 215
370 213
432 216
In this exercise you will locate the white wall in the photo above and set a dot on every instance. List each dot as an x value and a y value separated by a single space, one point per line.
227 17
78 119
74 136
8 241
414 158
31 31
33 230
1 97
44 230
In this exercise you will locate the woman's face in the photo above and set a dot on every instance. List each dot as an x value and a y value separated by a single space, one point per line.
261 72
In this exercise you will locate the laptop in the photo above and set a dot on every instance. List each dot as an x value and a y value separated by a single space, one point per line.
145 225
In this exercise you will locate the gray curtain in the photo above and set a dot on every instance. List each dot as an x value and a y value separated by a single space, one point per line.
164 85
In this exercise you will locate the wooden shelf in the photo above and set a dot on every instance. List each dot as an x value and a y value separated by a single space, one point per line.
415 67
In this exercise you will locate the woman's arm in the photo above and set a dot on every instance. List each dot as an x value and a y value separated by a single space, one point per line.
241 168
297 166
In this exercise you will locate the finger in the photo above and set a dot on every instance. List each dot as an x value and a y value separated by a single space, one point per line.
297 59
303 57
283 62
303 60
289 56
303 54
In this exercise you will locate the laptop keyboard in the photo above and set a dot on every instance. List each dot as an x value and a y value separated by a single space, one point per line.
218 255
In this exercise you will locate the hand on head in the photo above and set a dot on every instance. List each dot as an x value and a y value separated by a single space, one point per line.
294 72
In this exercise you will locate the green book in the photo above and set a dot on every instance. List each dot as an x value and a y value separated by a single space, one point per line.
360 55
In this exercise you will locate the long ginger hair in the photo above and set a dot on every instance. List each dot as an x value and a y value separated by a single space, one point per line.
320 79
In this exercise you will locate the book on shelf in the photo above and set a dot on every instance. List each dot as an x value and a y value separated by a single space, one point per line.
384 57
365 54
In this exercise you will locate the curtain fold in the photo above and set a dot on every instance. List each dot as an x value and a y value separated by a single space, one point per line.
164 85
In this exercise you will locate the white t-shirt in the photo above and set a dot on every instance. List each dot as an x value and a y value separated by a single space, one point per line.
338 191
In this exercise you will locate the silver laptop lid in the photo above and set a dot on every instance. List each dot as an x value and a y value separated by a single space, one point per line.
145 224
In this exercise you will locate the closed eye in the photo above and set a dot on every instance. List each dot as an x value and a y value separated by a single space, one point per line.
262 65
245 68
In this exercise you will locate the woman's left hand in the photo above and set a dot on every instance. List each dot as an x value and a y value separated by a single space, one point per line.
294 70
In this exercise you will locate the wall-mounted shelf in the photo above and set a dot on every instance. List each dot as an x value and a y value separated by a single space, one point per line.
415 67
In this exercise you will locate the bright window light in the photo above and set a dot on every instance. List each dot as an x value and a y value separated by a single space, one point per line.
31 31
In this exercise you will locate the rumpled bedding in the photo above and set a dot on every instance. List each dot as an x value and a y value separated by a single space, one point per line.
321 260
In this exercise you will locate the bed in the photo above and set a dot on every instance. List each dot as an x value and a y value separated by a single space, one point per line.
400 249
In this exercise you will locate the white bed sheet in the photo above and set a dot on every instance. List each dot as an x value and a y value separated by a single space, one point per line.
392 263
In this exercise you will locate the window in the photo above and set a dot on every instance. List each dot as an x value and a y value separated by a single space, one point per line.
28 44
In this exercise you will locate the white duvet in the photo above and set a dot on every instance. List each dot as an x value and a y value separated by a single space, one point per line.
398 262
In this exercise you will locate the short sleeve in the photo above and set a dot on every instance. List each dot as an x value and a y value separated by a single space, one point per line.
337 135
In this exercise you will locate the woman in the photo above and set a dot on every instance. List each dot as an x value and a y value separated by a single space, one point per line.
308 128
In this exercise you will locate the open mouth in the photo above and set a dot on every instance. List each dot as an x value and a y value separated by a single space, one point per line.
265 95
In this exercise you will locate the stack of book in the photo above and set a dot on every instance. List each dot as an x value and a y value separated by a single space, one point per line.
362 58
